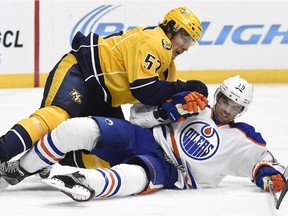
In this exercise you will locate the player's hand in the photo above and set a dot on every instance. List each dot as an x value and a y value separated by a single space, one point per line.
194 102
268 173
192 86
277 181
184 104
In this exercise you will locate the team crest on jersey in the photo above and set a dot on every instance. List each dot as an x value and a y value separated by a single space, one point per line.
76 96
199 140
166 44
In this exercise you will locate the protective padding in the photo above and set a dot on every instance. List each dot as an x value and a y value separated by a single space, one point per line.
42 121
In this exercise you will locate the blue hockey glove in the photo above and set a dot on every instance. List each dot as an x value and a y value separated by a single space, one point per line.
268 173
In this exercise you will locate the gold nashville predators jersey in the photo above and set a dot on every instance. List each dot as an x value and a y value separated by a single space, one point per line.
125 61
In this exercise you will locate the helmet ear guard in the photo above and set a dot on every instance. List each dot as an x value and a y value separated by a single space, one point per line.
236 89
184 18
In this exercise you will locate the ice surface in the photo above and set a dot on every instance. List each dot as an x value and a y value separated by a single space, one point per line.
233 197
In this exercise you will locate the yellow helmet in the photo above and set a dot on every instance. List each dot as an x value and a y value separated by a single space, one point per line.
186 19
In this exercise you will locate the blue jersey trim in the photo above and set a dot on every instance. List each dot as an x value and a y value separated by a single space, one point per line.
250 132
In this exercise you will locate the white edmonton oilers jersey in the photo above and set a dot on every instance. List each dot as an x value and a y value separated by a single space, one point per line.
207 152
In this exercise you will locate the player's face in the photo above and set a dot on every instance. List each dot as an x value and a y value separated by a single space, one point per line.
181 42
226 110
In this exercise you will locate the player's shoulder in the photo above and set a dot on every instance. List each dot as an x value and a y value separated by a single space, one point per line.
156 39
249 131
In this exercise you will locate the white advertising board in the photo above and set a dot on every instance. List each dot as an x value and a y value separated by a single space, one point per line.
237 34
240 35
16 36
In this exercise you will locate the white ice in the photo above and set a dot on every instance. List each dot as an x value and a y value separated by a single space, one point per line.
233 197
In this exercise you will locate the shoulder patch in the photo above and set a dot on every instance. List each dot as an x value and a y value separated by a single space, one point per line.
250 132
166 44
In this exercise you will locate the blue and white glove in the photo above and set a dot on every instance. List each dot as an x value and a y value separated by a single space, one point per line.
183 105
264 173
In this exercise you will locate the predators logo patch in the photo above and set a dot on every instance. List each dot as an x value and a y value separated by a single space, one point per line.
166 44
76 96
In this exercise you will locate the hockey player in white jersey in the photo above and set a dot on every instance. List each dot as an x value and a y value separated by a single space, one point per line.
195 153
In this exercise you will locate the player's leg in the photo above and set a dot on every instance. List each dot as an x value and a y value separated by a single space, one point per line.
88 160
83 159
70 135
111 140
119 140
62 99
144 174
161 174
120 180
28 131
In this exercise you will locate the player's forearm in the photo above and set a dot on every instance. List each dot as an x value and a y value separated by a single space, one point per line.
153 91
147 116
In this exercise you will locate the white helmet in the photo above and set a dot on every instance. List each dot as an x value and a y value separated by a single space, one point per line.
238 90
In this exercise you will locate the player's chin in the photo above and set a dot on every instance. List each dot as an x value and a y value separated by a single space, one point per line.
224 119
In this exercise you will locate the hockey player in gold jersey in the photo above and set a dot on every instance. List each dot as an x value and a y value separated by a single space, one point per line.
100 74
